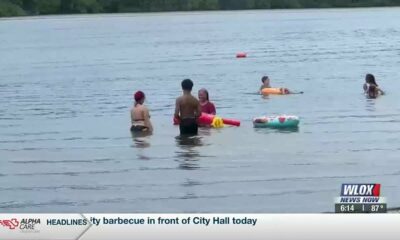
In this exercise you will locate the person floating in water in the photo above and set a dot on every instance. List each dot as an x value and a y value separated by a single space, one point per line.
140 117
187 110
371 89
266 83
206 106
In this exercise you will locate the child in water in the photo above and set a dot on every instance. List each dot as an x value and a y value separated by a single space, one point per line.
266 84
371 89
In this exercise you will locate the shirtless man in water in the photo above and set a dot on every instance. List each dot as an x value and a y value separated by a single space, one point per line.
187 110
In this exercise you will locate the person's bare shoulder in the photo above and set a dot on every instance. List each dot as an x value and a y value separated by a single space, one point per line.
194 100
144 108
179 99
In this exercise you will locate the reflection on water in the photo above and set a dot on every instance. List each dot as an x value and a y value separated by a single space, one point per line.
277 130
189 156
205 131
141 139
370 105
265 96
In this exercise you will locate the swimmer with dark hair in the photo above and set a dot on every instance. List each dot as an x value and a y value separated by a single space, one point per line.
187 110
371 88
266 83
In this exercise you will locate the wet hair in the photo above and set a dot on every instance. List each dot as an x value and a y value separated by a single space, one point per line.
205 90
187 85
369 78
265 78
138 96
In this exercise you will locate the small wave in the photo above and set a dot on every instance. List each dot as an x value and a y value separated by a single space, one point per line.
30 204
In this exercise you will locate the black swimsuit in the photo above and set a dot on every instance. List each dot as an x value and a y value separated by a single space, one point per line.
188 126
139 128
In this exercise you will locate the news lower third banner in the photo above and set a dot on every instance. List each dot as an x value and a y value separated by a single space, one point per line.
199 226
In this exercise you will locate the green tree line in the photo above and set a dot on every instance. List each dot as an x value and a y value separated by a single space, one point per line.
43 7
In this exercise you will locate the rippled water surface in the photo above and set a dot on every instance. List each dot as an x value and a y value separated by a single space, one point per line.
66 85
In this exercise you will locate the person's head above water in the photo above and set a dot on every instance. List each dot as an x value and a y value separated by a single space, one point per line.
139 97
265 80
369 78
187 85
203 95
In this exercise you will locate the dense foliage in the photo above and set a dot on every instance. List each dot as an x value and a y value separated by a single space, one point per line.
39 7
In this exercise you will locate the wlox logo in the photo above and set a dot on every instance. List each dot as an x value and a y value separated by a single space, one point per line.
10 223
360 193
361 190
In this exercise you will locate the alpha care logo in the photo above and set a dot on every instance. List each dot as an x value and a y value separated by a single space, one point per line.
29 224
10 223
25 225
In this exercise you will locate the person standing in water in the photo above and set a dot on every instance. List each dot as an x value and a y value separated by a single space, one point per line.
187 110
140 117
371 88
206 106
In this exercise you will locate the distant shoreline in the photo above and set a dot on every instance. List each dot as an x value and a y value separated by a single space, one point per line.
62 15
11 8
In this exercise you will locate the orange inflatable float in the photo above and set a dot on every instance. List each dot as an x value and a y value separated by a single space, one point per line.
279 91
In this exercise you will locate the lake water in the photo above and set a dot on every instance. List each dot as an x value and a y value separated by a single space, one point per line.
66 85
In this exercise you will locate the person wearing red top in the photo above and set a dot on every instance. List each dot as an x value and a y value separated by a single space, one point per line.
206 106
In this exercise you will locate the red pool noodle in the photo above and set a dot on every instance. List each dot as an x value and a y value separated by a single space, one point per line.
232 122
207 119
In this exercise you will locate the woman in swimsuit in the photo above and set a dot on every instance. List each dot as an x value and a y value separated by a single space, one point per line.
140 116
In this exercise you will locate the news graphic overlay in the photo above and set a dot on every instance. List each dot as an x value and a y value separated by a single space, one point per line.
360 198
